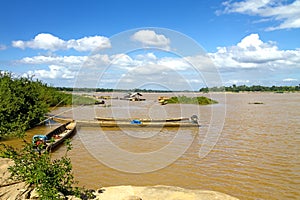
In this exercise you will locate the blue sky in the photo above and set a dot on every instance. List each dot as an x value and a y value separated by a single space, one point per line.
184 44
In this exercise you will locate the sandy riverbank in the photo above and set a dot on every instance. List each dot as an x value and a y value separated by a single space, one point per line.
11 190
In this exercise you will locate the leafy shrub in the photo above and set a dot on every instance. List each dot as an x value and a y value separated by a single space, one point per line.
24 102
21 104
53 179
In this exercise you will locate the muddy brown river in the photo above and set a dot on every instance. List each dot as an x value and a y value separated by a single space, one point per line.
247 146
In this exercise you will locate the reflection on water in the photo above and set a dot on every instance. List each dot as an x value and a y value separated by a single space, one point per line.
256 155
127 151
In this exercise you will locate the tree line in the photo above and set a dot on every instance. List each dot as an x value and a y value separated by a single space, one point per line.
253 88
69 89
233 88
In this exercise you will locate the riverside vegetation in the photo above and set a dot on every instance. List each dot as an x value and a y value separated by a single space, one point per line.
24 102
253 88
53 179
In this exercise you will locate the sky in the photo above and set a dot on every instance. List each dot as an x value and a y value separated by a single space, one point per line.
157 44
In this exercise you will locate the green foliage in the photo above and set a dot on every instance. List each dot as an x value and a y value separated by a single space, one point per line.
55 98
21 104
191 100
53 179
79 100
24 102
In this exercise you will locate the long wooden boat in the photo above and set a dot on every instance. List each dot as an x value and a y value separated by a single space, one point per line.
95 123
54 138
142 120
61 120
122 122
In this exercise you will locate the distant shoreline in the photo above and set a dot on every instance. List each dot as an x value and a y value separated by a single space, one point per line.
233 88
191 92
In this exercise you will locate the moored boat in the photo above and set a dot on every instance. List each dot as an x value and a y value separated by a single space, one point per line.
123 122
134 123
54 138
141 119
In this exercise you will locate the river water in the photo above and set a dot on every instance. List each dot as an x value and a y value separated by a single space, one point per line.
244 149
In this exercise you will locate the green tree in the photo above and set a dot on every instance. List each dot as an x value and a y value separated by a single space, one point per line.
24 102
21 104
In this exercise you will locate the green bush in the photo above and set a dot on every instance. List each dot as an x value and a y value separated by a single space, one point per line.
191 100
79 100
21 104
53 179
24 102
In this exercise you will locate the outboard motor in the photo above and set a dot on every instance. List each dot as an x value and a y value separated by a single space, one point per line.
194 119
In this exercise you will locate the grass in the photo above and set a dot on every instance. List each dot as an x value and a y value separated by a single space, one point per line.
191 100
79 100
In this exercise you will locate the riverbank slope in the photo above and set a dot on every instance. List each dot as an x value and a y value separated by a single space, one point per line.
11 190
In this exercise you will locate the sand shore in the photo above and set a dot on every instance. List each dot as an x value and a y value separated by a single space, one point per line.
12 190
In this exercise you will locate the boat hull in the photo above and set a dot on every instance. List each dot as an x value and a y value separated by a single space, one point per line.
64 131
93 123
142 120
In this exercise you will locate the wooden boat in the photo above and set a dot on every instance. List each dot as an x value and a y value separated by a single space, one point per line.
97 123
122 122
163 100
54 138
142 120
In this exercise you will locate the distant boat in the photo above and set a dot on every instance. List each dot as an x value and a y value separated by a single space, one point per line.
54 138
163 100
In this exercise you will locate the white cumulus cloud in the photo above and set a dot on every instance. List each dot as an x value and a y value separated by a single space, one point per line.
290 80
149 63
54 72
252 52
122 60
41 41
50 42
286 13
173 63
70 61
89 43
151 38
54 60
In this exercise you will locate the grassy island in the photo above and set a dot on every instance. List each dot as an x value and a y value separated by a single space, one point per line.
191 100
